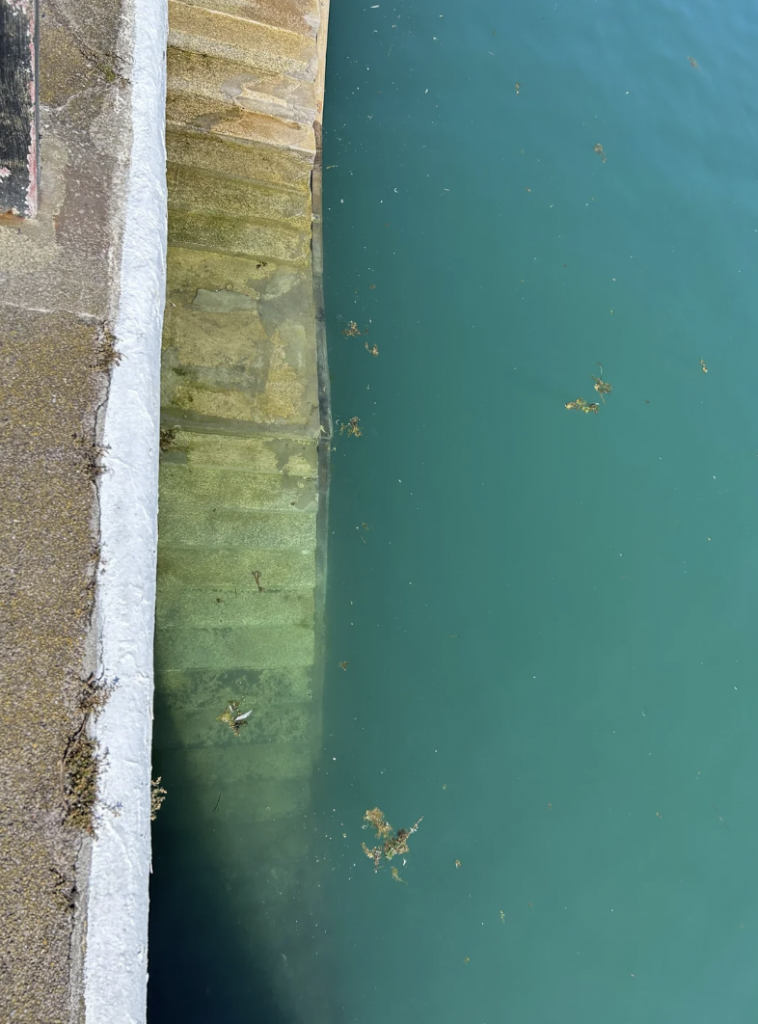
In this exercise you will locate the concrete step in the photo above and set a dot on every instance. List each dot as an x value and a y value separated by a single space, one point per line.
235 765
238 236
291 456
255 647
197 190
252 43
296 15
276 94
219 116
268 723
241 804
223 528
281 568
218 607
275 292
189 489
252 162
209 688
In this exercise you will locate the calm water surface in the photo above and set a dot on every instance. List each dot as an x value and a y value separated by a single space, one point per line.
548 617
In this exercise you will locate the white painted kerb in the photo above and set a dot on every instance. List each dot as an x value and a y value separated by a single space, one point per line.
115 968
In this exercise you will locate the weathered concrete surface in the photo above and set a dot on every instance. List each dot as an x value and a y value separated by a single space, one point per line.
50 391
58 300
243 483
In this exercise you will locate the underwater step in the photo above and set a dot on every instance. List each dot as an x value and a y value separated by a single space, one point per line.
226 528
251 646
210 688
236 763
243 803
282 569
188 489
267 723
233 606
260 453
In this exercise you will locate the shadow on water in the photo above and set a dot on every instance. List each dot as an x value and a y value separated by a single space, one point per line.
236 920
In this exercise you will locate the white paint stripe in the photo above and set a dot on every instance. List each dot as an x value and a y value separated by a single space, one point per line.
115 970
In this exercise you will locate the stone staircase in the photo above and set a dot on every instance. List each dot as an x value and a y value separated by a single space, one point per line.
244 471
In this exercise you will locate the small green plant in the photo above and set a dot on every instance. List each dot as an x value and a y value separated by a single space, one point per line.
92 459
107 353
157 795
168 437
80 769
81 762
95 695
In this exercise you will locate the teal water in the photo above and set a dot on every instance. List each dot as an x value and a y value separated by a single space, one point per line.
548 617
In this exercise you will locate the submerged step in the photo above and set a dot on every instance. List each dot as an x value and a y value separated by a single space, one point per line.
238 763
244 803
255 647
212 688
225 528
283 568
259 453
268 723
190 489
218 607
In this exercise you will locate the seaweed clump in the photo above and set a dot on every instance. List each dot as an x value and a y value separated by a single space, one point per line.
232 717
393 843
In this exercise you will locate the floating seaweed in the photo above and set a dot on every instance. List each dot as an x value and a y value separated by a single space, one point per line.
394 843
583 405
352 427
